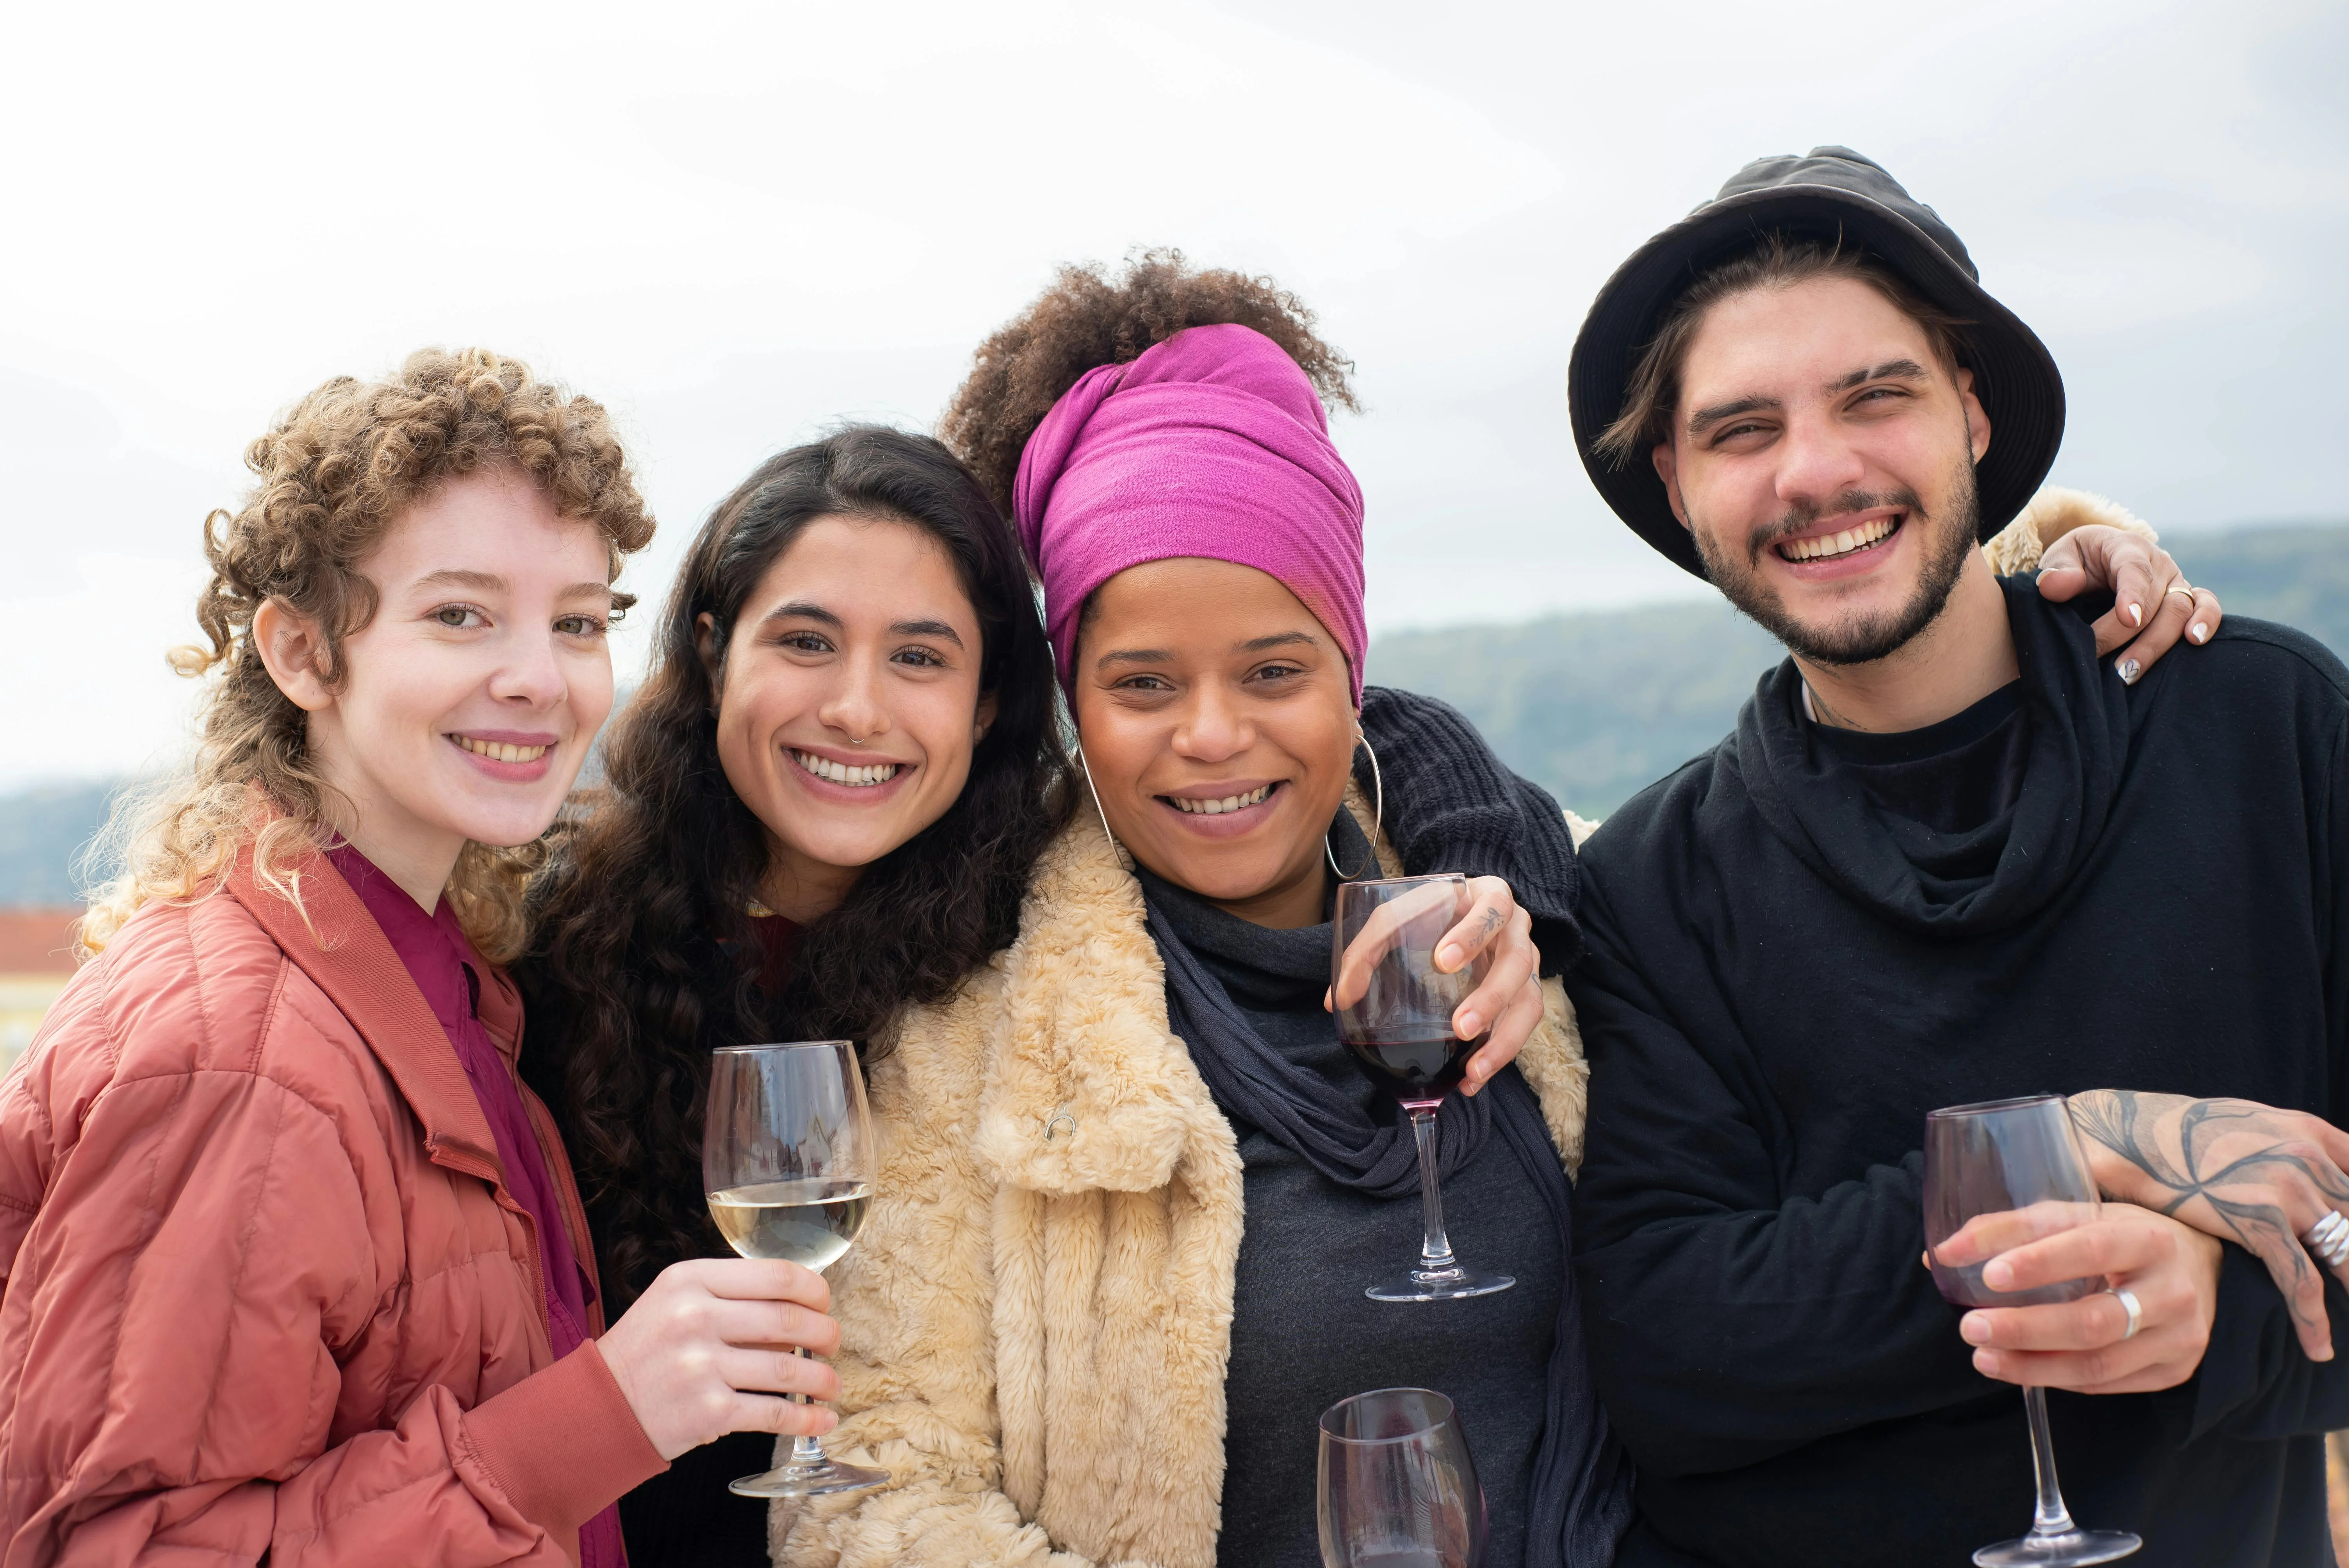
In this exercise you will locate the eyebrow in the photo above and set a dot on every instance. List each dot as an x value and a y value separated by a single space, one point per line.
926 629
1704 419
1891 370
490 582
800 610
1162 656
456 577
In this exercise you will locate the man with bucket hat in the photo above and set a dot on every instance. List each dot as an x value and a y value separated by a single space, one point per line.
1950 854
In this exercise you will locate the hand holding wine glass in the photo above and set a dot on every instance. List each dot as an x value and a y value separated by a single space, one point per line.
697 1356
1395 1007
787 1162
1492 935
2000 1174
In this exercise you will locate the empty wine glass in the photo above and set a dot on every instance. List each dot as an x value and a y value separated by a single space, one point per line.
788 1162
1394 1012
1396 1487
2016 1165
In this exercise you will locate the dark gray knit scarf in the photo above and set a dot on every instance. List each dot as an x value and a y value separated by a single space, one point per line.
1450 806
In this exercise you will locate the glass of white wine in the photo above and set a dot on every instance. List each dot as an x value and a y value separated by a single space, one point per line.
787 1160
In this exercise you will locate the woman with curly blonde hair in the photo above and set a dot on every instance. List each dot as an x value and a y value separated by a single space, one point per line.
294 1266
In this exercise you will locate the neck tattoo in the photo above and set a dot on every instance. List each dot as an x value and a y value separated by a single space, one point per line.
1816 705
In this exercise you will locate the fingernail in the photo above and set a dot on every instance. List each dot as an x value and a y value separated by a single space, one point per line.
2137 615
1986 1363
1469 1024
2197 631
2129 669
1449 955
1998 1273
1974 1328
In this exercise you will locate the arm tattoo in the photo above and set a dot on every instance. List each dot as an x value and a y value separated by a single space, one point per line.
2231 1156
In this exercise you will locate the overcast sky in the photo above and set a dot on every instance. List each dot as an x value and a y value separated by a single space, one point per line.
737 224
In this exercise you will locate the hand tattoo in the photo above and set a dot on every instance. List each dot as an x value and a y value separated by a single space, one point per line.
2223 1166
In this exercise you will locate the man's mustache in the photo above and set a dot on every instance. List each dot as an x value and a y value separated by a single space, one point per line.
1804 517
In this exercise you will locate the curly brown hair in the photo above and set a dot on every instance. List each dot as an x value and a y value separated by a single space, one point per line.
1087 319
333 473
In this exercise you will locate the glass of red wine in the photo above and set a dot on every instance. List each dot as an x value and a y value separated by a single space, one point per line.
1394 1010
1997 1175
1396 1486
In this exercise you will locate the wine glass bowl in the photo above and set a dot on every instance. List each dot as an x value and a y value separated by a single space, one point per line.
788 1164
1396 1485
1393 1007
1997 1175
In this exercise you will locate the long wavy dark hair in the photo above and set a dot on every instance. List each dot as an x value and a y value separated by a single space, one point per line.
644 957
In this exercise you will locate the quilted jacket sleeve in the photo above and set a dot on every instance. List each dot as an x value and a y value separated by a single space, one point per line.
167 1373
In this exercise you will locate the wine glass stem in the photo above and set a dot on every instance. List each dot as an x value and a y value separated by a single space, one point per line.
2050 1517
1436 1248
805 1449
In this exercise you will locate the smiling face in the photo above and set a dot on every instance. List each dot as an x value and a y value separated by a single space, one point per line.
466 705
1822 456
1218 720
848 702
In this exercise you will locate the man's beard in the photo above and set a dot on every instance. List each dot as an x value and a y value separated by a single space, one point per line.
1860 639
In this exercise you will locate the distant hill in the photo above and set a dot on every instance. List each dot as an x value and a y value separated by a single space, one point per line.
42 832
1595 706
1591 706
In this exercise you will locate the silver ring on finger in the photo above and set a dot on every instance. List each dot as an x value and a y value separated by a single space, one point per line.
2329 1239
2127 1298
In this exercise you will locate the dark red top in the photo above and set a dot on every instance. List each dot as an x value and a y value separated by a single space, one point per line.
447 970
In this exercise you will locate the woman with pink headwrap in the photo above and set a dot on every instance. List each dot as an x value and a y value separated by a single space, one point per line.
1058 1333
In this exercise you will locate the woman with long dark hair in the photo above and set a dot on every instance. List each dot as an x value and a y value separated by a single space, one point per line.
822 805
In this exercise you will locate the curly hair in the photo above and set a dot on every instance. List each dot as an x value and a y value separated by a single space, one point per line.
1085 320
333 472
645 957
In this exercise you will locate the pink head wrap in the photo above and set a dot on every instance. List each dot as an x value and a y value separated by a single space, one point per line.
1211 444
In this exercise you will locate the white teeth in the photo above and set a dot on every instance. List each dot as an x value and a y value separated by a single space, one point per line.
498 751
1217 807
1829 546
840 773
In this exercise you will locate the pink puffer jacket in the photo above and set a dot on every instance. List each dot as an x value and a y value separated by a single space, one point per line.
265 1291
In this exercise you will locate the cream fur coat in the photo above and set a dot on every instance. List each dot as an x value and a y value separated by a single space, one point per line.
1036 1320
1036 1317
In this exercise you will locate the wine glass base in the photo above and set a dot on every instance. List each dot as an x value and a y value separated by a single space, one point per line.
2067 1549
1439 1284
811 1481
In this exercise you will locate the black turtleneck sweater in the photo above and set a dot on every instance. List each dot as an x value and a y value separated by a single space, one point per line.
1803 942
1304 1336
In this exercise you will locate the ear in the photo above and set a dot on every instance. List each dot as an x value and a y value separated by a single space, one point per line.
293 649
985 720
1668 469
1977 421
705 642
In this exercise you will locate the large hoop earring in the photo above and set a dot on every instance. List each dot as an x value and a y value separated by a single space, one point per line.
1104 815
1378 817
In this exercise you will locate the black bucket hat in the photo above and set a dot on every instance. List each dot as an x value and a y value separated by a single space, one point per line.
1834 194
